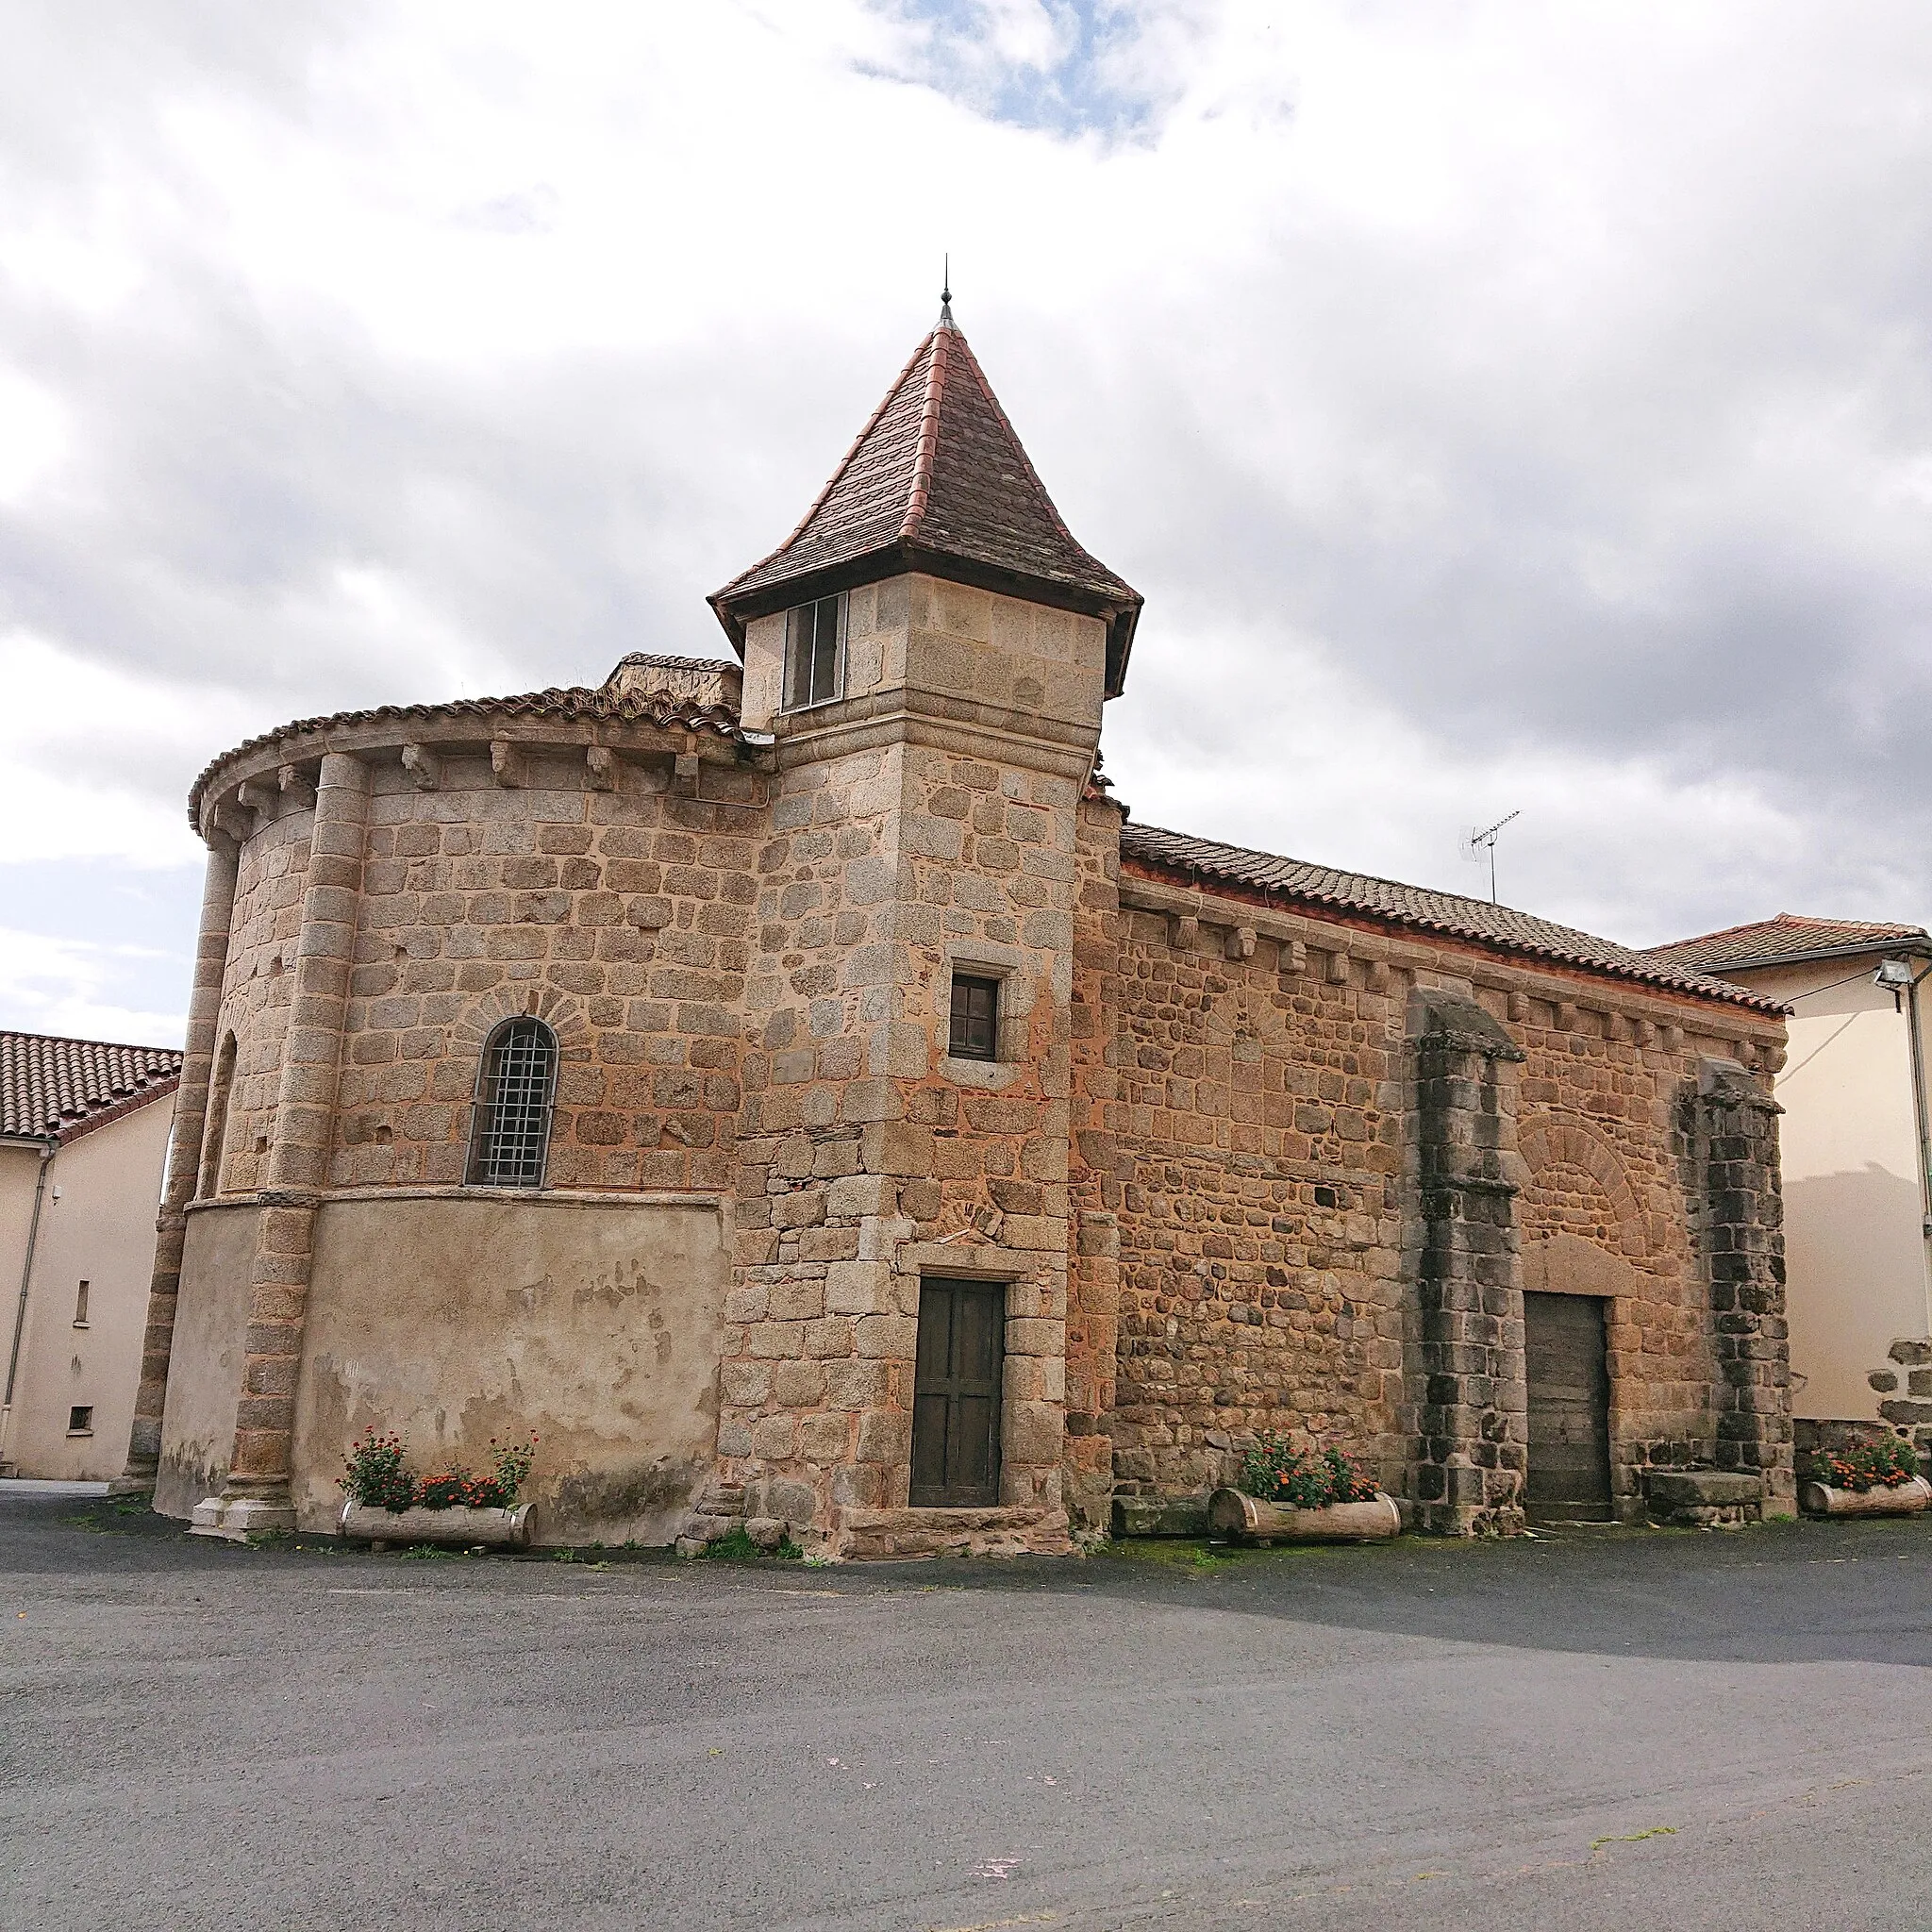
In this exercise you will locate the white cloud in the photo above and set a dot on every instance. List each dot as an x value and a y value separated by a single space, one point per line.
79 738
67 986
1500 406
33 434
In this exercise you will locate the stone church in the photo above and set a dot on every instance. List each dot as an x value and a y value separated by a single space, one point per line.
794 1088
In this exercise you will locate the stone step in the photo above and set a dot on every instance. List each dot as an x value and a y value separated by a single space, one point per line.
702 1530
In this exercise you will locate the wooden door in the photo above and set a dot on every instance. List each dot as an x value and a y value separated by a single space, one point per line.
956 1394
1569 1407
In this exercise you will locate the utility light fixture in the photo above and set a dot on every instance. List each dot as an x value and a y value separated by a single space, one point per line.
1893 974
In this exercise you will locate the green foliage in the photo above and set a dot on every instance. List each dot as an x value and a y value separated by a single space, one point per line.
735 1546
1275 1472
1187 1554
377 1476
1883 1465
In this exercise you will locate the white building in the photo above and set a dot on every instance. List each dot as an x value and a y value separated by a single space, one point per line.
83 1141
1857 1139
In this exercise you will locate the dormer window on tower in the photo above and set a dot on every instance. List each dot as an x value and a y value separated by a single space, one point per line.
815 653
936 484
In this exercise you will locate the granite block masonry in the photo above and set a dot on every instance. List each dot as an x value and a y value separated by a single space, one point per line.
591 1062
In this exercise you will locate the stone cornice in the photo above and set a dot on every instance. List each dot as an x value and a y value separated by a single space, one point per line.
1495 970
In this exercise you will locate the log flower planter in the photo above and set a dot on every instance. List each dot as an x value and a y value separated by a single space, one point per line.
465 1528
382 1501
1908 1498
1232 1513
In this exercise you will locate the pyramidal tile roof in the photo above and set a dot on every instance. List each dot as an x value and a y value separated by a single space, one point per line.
55 1088
1415 907
938 481
1790 936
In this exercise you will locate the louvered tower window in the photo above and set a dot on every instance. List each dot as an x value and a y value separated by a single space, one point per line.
815 653
513 1099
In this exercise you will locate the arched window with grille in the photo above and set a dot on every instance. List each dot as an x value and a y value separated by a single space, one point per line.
514 1090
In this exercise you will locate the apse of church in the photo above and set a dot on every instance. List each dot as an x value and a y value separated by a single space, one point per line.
796 1089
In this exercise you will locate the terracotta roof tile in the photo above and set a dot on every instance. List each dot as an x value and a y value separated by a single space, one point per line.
571 701
1416 907
50 1084
1790 936
657 660
936 479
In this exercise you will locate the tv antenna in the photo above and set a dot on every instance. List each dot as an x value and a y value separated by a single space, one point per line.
1476 844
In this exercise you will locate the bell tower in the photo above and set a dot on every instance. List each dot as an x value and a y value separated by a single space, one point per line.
929 651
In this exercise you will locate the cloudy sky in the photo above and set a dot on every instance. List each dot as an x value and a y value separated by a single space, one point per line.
1502 407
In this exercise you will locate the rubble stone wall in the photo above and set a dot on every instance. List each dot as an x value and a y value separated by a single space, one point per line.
620 917
1237 1166
1270 1229
904 846
258 990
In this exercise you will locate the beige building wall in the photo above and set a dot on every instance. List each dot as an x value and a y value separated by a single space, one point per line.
462 1319
20 1163
100 1229
1855 1246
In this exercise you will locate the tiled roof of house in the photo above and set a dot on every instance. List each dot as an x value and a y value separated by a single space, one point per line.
937 478
571 701
1208 861
51 1086
1790 936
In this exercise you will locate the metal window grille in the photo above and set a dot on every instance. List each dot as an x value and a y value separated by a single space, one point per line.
815 653
514 1106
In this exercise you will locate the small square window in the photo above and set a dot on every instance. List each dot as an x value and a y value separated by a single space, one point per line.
815 653
975 1020
80 1421
80 1307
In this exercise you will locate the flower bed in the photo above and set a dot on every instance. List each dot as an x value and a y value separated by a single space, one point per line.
384 1501
1878 1478
1888 1464
1275 1472
1291 1494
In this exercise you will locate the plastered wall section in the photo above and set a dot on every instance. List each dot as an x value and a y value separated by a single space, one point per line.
457 1321
1268 1244
1854 1250
100 1230
19 1166
868 1155
210 1350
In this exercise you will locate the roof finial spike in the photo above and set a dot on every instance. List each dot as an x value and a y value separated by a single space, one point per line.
946 295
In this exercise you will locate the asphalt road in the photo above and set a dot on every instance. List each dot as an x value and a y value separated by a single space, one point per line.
1605 1728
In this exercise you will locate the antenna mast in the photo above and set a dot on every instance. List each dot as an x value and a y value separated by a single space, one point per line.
1474 846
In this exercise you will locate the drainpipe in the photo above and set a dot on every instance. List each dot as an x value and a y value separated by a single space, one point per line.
49 1148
